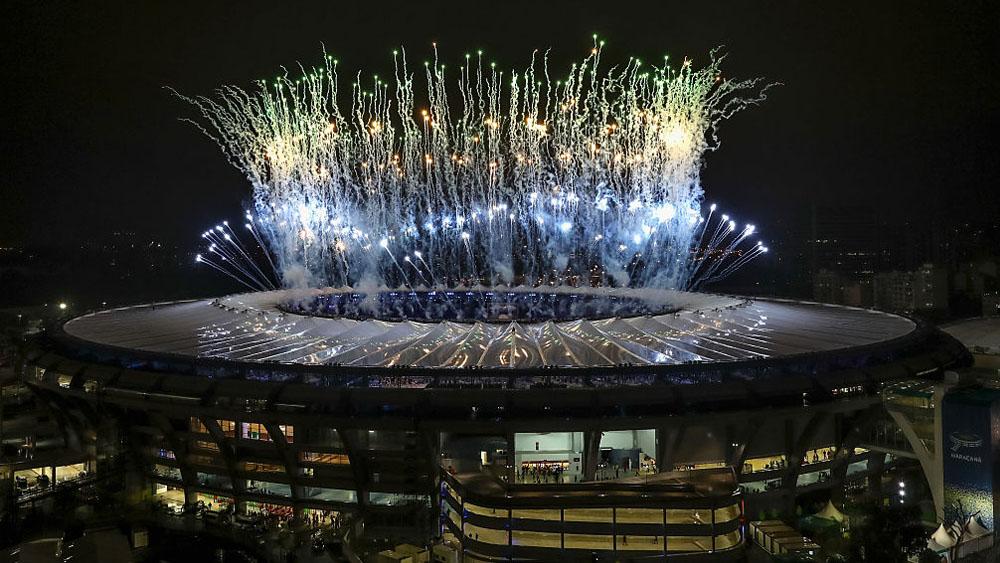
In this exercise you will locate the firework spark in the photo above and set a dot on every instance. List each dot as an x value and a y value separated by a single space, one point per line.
591 176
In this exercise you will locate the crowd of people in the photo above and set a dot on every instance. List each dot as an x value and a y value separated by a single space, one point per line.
542 473
319 519
519 382
399 381
817 456
274 515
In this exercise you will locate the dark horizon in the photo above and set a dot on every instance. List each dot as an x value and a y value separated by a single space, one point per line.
889 108
890 111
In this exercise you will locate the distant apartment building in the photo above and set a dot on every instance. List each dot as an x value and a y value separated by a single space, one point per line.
930 288
894 291
923 289
977 285
843 289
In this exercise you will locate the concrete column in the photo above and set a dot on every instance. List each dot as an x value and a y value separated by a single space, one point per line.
562 528
937 487
510 532
876 466
790 433
665 532
931 461
742 437
180 449
800 444
355 443
851 432
591 453
512 466
668 440
227 453
928 460
797 445
713 527
614 528
288 459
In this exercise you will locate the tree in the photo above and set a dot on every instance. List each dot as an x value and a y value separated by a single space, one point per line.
887 534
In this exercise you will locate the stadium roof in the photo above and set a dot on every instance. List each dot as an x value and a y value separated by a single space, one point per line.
981 336
707 328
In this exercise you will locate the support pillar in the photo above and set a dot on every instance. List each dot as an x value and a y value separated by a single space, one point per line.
797 445
931 461
668 441
876 467
290 462
512 465
591 453
851 432
741 438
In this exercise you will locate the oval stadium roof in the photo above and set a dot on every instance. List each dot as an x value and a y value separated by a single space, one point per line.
707 328
981 336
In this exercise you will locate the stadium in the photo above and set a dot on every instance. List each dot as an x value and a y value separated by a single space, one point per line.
529 424
545 382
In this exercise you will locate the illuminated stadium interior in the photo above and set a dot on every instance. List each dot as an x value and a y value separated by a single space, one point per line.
467 306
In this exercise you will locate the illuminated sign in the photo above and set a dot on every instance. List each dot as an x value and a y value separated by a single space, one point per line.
971 424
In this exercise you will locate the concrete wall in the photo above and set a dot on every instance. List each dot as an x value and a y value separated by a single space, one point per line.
644 440
552 446
702 444
548 442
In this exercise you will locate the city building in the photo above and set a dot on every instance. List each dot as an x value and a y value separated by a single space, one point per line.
977 287
830 286
930 288
923 289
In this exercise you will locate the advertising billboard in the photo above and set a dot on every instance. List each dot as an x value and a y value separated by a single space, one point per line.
971 433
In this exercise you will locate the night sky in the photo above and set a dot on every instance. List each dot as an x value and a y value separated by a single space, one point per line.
898 106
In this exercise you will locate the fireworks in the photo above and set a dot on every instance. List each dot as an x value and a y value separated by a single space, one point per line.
589 177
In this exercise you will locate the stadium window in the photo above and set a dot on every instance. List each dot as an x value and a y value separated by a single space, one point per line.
210 446
254 431
228 427
323 458
197 425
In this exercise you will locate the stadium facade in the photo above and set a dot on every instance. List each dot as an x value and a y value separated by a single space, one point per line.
627 438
